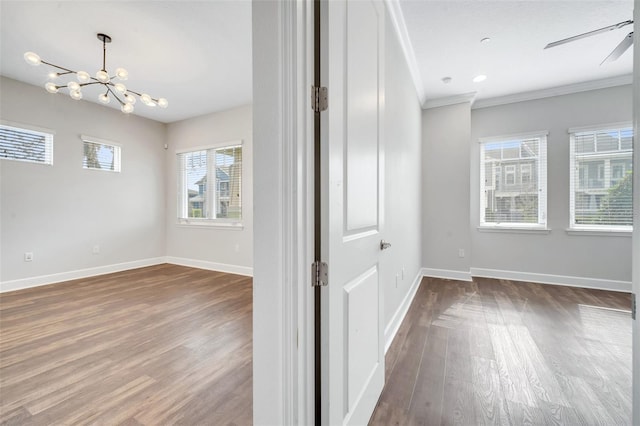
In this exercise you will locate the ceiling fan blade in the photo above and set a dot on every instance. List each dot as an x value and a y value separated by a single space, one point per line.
589 34
620 49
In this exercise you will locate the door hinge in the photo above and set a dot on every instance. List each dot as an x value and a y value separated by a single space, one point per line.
319 98
319 274
633 306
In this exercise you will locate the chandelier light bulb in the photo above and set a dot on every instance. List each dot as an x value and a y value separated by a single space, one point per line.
32 58
130 99
163 103
51 87
102 76
53 75
73 86
83 76
127 108
104 98
76 95
146 99
122 74
121 87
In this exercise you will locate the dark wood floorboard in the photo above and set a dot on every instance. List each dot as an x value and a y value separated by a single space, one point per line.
153 346
499 352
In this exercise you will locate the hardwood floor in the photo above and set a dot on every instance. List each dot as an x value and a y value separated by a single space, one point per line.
504 353
152 346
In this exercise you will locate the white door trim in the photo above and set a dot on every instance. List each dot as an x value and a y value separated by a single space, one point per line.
283 207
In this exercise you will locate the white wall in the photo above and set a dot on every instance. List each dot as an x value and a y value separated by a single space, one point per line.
636 222
445 205
557 253
226 249
402 133
60 212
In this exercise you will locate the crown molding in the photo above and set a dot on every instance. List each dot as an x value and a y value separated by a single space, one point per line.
397 19
450 100
554 91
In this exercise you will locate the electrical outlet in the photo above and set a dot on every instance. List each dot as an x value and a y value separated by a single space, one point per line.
237 248
96 249
28 256
460 252
402 273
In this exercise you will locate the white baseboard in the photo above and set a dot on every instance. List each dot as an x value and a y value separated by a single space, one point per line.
211 266
74 275
446 274
570 281
392 328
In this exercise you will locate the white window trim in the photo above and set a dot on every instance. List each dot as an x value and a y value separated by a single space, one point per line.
32 128
91 139
592 230
535 228
221 223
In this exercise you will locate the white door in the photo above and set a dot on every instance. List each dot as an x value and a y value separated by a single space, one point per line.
352 200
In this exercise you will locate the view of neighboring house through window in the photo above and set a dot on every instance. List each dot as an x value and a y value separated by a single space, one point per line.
513 181
26 144
601 178
100 155
210 184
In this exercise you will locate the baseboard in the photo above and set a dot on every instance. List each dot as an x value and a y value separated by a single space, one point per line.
570 281
41 280
392 328
446 274
211 266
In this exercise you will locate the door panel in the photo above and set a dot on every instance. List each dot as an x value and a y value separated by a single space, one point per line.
352 200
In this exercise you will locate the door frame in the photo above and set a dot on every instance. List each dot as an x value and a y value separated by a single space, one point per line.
283 335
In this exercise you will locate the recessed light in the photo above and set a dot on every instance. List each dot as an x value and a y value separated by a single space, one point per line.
479 78
485 40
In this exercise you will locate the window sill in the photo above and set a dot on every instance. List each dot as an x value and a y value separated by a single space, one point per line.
514 229
604 232
234 226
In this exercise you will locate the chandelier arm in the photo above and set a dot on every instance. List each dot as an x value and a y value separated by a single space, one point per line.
114 94
59 67
89 84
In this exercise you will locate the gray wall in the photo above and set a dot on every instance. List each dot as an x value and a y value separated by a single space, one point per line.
556 253
60 212
402 177
220 246
451 155
445 174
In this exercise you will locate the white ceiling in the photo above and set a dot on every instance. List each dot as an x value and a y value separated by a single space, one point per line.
197 54
446 35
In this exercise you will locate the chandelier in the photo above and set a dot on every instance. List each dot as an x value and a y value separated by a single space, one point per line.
125 97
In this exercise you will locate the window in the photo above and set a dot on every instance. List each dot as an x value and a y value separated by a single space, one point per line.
513 171
210 185
31 145
601 177
100 154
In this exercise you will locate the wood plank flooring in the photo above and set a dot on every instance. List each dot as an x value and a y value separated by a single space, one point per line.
497 352
152 346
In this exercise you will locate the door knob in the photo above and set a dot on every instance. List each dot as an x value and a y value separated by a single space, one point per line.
384 245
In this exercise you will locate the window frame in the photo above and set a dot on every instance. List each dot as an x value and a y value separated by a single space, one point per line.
27 128
541 176
117 153
182 196
595 229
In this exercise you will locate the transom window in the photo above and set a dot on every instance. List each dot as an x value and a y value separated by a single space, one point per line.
99 154
26 144
601 171
513 184
210 185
